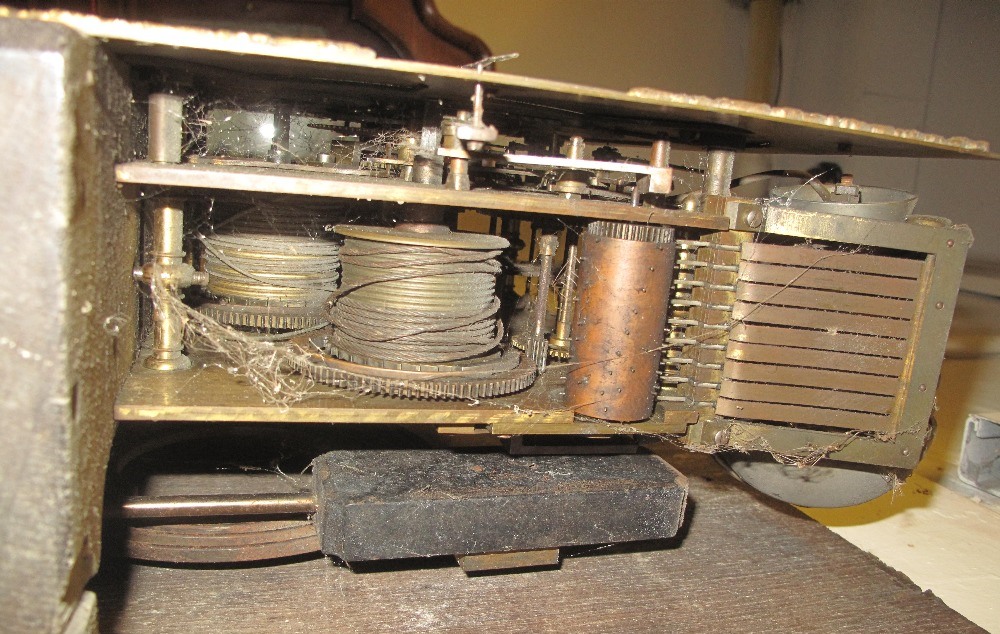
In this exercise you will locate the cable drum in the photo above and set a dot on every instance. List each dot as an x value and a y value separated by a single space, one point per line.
417 299
416 317
271 268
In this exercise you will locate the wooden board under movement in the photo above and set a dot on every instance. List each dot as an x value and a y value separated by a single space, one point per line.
745 563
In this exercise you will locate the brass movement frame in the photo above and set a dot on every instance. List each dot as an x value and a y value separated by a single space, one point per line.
646 115
944 248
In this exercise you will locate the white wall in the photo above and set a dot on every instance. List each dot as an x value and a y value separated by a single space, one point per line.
683 45
933 65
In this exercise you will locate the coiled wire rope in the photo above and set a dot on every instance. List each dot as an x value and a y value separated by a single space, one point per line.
271 268
402 303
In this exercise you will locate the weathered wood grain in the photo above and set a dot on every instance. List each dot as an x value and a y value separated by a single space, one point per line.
745 564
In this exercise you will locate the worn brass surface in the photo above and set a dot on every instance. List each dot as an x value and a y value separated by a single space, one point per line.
444 239
859 394
166 255
209 393
263 180
939 281
219 543
929 279
660 423
503 561
639 113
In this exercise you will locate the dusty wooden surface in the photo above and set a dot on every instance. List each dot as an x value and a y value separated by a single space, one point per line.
744 564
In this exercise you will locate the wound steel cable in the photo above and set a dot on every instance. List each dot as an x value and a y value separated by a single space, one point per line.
413 303
272 257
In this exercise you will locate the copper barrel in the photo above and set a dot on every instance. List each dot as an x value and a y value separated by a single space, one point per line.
624 287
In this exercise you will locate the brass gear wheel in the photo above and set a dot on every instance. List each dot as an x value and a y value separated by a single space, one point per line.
467 383
264 317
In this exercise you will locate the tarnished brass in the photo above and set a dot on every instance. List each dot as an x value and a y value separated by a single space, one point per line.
218 505
265 180
208 393
857 315
444 238
504 561
168 329
559 342
772 345
899 308
775 129
724 341
222 543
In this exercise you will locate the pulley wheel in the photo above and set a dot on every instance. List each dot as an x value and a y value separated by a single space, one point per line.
825 485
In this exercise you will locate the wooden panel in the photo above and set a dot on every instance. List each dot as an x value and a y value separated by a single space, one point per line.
806 396
833 260
859 283
803 415
779 572
825 300
840 342
810 377
822 320
821 359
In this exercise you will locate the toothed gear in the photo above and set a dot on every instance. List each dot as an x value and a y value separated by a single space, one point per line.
557 352
523 342
465 384
264 317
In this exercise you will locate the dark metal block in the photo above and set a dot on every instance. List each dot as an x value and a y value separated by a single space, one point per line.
398 504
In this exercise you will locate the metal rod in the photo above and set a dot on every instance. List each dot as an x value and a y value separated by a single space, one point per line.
564 317
576 148
536 345
547 246
720 172
280 151
220 505
659 155
168 254
458 174
166 128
